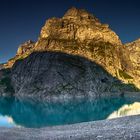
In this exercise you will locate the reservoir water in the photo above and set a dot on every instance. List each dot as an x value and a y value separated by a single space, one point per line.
34 114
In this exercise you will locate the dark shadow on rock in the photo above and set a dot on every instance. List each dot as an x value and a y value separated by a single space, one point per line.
6 88
55 73
46 74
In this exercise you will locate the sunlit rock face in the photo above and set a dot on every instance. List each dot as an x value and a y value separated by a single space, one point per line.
23 51
126 110
25 47
134 53
78 25
6 89
80 33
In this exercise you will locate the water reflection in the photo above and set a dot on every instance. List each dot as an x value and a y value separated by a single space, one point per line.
32 113
126 110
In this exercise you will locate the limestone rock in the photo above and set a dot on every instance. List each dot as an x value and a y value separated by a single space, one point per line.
134 53
75 13
134 49
23 51
24 48
80 26
80 33
48 74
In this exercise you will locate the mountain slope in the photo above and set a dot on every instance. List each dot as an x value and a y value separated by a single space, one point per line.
134 53
48 74
77 47
78 33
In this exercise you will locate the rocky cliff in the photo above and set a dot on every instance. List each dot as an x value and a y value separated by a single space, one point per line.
23 51
81 33
78 33
75 54
134 53
53 74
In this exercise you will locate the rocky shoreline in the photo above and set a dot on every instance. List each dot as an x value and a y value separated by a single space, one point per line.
125 128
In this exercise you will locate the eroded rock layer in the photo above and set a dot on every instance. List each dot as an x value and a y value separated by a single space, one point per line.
54 73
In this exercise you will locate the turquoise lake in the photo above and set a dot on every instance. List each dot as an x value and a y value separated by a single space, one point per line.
35 114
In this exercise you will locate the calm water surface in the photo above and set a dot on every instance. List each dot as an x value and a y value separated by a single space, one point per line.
35 114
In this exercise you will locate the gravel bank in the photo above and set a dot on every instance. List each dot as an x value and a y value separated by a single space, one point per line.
126 128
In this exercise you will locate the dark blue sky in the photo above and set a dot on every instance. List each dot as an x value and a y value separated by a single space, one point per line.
21 20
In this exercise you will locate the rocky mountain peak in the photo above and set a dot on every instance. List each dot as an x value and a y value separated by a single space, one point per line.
77 33
80 33
134 54
75 13
134 45
77 25
23 51
25 47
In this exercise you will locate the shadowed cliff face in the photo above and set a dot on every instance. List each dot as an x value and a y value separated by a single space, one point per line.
48 74
23 51
6 88
77 33
78 25
81 33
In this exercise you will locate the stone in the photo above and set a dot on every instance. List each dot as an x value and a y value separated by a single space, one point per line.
23 51
134 54
74 44
24 48
54 74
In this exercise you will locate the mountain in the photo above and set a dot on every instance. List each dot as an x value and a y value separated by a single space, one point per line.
74 55
53 74
23 51
134 53
77 33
